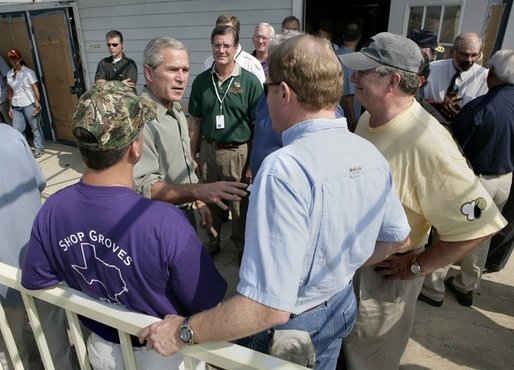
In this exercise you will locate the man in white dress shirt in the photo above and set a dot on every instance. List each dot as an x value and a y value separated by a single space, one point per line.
455 82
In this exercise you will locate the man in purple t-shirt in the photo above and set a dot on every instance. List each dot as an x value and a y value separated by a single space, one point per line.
101 237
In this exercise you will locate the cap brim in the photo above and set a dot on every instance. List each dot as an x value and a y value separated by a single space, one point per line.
358 61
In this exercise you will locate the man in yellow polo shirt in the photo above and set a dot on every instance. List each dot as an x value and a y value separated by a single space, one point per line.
435 186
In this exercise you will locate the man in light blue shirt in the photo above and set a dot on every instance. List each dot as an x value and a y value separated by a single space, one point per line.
352 107
4 103
320 207
21 183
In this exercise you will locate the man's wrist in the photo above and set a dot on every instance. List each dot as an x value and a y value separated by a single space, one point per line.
415 268
186 333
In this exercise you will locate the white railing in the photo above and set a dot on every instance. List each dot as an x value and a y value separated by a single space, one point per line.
223 354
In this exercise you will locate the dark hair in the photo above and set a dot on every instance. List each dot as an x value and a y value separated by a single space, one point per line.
290 19
94 159
424 67
114 33
225 19
352 31
223 30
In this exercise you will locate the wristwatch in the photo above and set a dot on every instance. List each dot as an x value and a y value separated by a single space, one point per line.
415 268
185 332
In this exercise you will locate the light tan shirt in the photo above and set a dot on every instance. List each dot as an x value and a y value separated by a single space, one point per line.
166 153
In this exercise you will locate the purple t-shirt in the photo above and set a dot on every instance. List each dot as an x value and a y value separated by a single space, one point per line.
116 246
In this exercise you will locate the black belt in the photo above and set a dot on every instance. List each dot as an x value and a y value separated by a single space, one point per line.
187 207
219 145
490 174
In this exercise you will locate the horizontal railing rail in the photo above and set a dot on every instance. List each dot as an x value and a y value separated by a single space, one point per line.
222 354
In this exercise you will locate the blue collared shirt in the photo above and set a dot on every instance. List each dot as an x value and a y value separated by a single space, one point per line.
265 140
317 207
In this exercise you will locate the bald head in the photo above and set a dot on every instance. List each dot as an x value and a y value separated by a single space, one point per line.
468 39
467 49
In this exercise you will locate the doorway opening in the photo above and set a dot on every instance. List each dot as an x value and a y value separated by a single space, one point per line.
47 39
373 14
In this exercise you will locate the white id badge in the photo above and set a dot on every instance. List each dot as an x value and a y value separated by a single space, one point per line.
220 122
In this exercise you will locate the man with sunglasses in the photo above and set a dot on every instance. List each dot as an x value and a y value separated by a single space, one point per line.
455 82
117 66
317 207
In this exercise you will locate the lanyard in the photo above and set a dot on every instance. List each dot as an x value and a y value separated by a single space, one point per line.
218 95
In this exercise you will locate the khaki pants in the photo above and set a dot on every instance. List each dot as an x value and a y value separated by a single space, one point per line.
225 165
384 322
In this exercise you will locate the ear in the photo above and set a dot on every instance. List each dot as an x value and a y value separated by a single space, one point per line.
148 72
394 80
422 81
286 93
135 150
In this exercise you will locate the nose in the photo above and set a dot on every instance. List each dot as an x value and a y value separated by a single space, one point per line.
181 75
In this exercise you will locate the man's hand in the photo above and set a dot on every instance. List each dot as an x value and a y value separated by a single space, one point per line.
205 215
196 168
248 175
37 110
216 192
163 336
396 267
449 107
127 82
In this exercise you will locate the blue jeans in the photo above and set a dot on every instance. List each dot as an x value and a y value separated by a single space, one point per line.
326 324
21 115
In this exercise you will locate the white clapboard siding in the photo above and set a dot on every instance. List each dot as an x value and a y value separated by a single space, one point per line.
188 21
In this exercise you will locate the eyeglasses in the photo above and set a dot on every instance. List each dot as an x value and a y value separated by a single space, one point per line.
266 84
363 72
263 38
224 46
114 44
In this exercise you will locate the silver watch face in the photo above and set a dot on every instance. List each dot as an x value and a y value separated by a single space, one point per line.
415 269
185 334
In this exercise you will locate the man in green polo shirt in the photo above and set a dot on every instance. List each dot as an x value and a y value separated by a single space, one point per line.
222 104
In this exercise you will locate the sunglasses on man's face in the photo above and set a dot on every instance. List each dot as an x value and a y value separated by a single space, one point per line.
267 84
114 44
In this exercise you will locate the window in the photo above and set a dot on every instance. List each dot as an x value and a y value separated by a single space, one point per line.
442 19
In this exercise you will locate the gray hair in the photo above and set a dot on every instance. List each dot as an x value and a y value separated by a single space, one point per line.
502 65
409 82
153 55
280 38
268 26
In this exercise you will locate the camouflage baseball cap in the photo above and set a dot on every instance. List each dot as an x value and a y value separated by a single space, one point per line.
113 113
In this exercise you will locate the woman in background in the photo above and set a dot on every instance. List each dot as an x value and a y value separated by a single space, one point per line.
24 98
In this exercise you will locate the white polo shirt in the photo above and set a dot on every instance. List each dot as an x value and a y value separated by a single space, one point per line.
21 86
